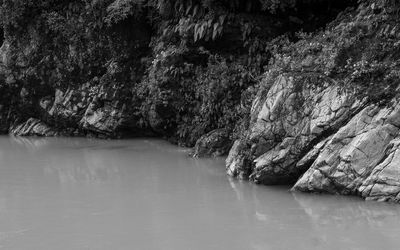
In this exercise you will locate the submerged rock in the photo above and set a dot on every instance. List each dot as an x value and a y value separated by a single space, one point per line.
214 143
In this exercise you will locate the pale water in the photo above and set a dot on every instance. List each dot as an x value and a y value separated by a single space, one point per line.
147 194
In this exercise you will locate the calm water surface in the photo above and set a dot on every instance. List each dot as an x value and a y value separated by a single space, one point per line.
147 194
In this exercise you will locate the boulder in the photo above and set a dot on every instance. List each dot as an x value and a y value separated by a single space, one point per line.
103 120
214 143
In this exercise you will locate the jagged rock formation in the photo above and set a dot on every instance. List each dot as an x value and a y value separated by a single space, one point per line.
346 162
33 127
290 122
383 182
315 122
93 109
214 143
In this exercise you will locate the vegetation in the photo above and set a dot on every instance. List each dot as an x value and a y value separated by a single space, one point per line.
188 67
361 52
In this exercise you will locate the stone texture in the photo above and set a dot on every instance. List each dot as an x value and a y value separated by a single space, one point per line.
33 127
104 120
321 139
96 109
214 143
313 122
69 105
383 183
353 153
237 161
287 122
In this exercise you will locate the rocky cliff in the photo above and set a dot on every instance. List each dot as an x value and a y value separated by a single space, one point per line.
326 118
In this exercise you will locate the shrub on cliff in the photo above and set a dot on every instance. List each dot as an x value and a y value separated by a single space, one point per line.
360 50
201 91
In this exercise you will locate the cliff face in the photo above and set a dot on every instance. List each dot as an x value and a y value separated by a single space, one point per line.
327 116
318 111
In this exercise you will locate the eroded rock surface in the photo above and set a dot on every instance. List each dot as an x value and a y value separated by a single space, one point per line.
323 140
321 120
94 109
353 153
383 183
214 143
289 122
33 127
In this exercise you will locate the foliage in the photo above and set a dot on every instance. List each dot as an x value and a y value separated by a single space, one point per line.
122 9
204 90
200 59
361 52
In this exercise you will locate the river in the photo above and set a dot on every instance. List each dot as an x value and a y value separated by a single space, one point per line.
77 193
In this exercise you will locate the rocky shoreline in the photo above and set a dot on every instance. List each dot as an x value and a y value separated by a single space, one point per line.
323 117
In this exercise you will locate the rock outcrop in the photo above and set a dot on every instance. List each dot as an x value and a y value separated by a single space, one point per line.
346 163
33 127
383 183
288 122
96 109
324 119
214 143
323 140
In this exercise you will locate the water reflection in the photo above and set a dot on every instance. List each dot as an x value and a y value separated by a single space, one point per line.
363 225
325 209
59 193
287 220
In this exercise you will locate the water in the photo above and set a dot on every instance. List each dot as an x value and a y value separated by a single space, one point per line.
147 194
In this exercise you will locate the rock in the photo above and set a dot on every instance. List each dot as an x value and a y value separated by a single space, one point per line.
345 164
214 143
93 109
237 161
288 121
5 53
312 155
33 127
69 105
383 183
318 123
104 120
